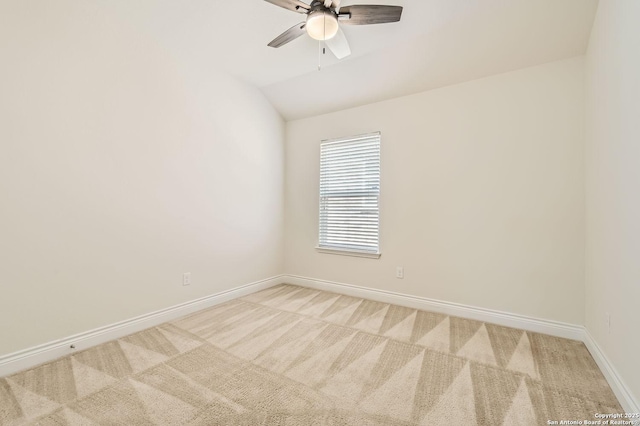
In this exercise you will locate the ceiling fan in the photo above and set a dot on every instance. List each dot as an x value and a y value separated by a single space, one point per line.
325 17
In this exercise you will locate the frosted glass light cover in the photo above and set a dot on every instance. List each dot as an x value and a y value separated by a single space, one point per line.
322 25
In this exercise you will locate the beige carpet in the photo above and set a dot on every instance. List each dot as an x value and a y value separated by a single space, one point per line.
294 356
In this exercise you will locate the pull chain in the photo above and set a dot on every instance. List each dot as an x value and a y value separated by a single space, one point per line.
322 50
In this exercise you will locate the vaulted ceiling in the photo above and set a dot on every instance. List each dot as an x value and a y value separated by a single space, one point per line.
437 43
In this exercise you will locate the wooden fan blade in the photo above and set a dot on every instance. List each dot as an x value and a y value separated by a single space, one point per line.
363 14
293 5
338 45
289 35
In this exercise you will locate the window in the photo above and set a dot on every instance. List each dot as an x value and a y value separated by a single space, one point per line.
349 195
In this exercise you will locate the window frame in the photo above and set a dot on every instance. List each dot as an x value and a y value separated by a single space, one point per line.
349 251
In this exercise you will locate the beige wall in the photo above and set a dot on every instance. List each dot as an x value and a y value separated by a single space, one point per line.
122 165
613 186
482 193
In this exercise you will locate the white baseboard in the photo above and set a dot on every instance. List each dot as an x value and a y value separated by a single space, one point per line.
554 328
620 389
537 325
37 355
32 357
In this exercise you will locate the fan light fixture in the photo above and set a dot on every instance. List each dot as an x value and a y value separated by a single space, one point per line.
322 25
321 22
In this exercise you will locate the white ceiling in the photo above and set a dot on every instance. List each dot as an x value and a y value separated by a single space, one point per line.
437 43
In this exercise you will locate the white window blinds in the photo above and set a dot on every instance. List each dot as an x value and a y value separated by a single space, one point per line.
349 194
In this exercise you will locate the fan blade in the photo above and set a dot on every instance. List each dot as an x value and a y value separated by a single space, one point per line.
338 45
369 14
289 35
294 5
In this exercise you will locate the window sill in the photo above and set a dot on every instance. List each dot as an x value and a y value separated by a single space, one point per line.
354 253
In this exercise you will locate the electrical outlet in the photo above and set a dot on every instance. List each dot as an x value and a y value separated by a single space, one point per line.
186 278
399 272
